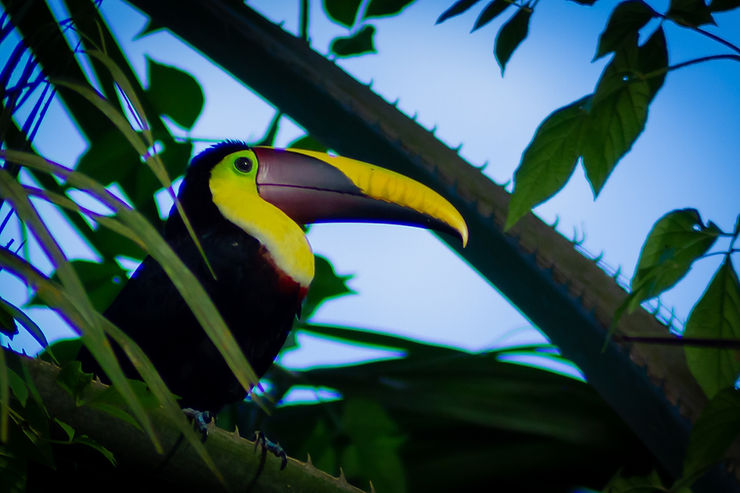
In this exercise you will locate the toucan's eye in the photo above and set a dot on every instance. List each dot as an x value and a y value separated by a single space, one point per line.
243 164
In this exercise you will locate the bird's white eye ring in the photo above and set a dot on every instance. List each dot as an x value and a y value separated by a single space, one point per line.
243 164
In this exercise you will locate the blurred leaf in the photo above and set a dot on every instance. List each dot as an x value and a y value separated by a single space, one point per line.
675 241
373 452
102 281
72 379
723 5
382 8
174 93
716 315
716 428
342 11
25 321
692 13
618 114
635 484
585 2
68 430
18 387
491 11
625 22
326 285
549 160
7 322
309 143
512 33
457 8
175 157
357 44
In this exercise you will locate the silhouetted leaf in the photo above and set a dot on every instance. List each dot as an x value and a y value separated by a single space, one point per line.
382 8
549 160
625 22
151 26
174 93
675 241
457 8
618 114
716 315
491 11
309 143
357 44
690 12
511 35
342 11
723 5
715 429
108 158
585 2
25 321
7 322
326 285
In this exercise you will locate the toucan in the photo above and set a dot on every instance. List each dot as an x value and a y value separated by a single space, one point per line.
246 206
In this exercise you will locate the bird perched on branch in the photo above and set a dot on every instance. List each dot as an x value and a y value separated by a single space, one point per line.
246 205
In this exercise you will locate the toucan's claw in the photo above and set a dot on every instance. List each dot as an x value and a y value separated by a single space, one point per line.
200 419
269 446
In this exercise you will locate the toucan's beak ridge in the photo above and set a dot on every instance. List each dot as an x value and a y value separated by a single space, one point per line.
312 187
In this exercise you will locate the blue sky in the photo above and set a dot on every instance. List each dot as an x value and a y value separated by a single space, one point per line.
409 282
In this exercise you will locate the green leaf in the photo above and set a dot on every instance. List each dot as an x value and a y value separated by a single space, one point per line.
618 115
549 160
7 322
102 281
491 11
309 143
342 11
174 93
68 430
723 5
653 57
692 13
715 429
457 8
625 22
635 484
72 379
383 8
373 452
17 386
326 285
357 44
675 241
716 315
511 35
86 440
62 351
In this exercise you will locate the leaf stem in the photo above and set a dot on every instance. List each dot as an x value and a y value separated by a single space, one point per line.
661 71
724 252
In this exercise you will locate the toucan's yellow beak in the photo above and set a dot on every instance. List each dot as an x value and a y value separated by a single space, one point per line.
311 187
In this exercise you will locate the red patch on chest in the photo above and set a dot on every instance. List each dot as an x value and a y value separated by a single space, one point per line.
285 283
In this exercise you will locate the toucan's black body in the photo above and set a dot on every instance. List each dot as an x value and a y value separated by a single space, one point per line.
256 298
248 293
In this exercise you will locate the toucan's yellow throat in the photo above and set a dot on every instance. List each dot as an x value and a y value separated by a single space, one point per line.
269 192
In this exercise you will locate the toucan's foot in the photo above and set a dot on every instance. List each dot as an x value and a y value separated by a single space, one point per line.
200 419
269 446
